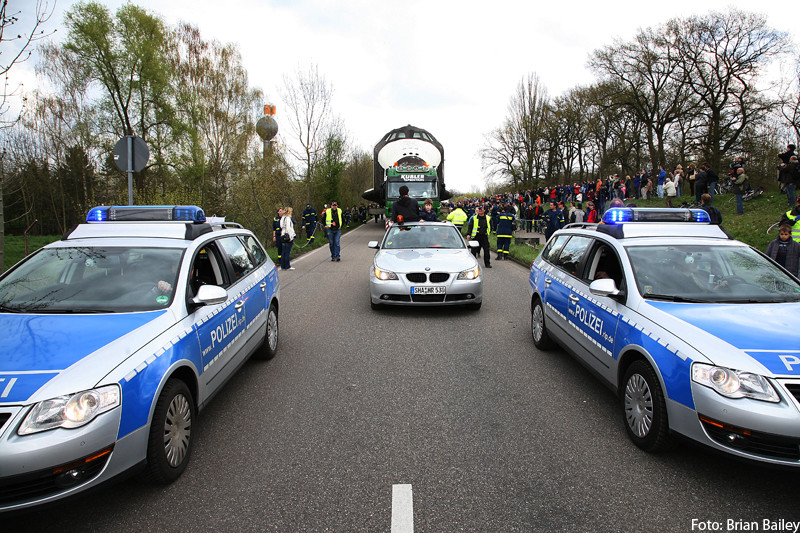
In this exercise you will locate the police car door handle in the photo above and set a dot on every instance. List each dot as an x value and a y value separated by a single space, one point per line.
238 306
263 285
573 298
548 281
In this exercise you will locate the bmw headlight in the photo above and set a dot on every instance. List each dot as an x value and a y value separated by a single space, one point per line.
734 383
384 274
472 273
70 411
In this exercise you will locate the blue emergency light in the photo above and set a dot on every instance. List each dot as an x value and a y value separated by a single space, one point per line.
621 215
146 213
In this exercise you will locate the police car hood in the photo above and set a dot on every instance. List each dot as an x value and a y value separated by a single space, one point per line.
39 350
768 333
437 259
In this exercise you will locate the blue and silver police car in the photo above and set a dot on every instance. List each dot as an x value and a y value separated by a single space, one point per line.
697 333
115 336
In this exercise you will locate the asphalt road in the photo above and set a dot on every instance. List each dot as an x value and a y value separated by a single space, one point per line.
490 434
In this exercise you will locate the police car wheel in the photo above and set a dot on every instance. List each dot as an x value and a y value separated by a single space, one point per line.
170 443
269 347
541 339
644 409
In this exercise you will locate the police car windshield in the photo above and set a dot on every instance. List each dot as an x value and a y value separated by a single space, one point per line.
703 273
423 236
92 280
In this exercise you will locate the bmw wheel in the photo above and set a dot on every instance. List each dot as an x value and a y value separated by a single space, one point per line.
269 347
644 409
169 445
539 333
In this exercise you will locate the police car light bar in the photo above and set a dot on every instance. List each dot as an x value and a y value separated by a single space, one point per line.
621 215
146 213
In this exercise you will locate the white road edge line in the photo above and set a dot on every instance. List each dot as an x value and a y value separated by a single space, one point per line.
402 509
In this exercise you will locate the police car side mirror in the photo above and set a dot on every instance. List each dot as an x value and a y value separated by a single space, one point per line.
373 244
604 287
210 295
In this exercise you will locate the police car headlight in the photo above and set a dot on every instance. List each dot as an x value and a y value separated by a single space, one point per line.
734 383
70 411
384 274
472 273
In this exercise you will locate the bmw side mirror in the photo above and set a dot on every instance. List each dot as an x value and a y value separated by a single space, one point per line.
373 244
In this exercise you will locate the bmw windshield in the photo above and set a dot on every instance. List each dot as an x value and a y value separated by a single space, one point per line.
423 236
707 273
92 280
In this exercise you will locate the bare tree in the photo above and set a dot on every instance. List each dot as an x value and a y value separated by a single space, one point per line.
17 46
513 151
308 98
652 82
723 55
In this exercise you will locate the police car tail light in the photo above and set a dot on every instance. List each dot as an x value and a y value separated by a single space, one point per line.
621 215
70 411
472 273
146 213
734 383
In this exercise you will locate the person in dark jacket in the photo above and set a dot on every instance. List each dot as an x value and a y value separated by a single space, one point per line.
714 214
505 230
405 207
785 251
276 232
309 221
553 221
789 176
427 213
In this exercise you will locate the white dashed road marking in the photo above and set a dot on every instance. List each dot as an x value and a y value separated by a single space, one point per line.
402 509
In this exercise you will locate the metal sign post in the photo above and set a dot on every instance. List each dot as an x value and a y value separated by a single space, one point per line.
131 155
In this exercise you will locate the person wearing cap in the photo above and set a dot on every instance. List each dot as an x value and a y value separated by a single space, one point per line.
310 221
333 228
405 207
481 226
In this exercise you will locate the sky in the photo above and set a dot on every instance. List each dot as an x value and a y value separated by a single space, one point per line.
448 66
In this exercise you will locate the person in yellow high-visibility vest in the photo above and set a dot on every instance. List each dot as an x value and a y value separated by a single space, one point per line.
333 227
792 219
458 217
481 226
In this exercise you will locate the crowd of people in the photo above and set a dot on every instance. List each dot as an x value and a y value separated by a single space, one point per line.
549 208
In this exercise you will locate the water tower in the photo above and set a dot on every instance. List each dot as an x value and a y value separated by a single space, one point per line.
267 127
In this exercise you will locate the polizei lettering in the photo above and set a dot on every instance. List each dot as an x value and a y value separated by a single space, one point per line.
221 332
589 319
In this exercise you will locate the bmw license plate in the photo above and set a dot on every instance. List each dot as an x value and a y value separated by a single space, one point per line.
438 289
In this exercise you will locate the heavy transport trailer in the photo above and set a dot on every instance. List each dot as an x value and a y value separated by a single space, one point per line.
407 156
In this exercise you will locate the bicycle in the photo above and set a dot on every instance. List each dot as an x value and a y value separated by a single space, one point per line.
751 194
723 187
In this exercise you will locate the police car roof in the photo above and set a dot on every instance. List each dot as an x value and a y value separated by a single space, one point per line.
631 230
626 223
166 222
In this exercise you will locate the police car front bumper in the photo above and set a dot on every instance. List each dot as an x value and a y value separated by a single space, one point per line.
750 429
53 464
